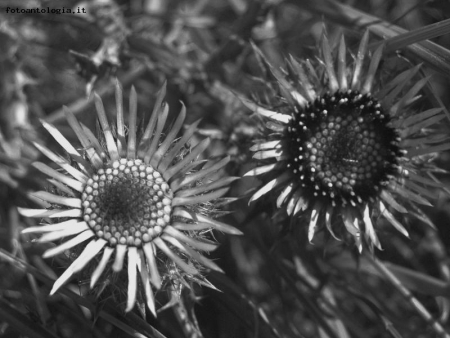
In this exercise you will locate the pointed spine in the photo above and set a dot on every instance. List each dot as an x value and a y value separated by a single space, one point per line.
342 65
145 140
157 135
373 67
121 142
159 154
332 80
359 61
131 146
110 144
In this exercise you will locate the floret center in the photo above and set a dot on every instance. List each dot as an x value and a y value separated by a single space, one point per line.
127 203
342 147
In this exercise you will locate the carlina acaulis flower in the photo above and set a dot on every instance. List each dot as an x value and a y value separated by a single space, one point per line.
341 147
137 203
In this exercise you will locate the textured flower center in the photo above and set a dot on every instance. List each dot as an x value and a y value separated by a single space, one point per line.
127 203
342 147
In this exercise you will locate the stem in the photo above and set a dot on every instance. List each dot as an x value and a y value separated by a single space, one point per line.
433 54
416 304
186 318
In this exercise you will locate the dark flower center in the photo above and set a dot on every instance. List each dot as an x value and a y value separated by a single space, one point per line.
127 203
342 148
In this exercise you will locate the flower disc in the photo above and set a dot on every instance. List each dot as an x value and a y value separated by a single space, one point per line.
342 147
127 203
138 198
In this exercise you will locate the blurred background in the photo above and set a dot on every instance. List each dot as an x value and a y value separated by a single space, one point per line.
276 283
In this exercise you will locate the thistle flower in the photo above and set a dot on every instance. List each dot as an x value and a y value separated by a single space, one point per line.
136 198
343 147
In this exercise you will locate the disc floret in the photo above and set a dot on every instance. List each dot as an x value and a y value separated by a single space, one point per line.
127 203
135 203
342 148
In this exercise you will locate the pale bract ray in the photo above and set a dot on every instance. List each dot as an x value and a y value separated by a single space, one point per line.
345 155
121 199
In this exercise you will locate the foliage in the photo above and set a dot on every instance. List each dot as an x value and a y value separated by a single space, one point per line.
217 56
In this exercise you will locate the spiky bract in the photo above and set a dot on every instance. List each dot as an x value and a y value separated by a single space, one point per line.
138 198
343 146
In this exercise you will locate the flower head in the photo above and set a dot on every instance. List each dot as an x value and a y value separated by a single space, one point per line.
343 146
137 201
